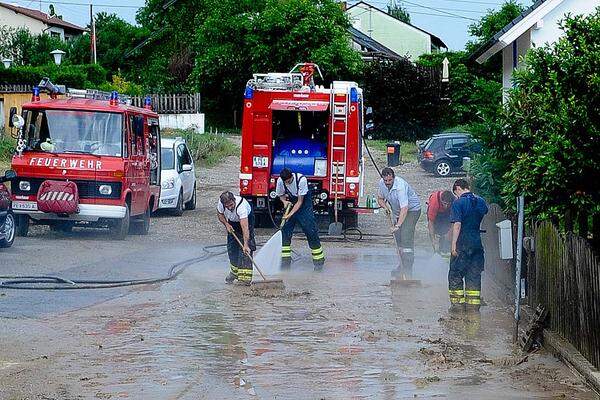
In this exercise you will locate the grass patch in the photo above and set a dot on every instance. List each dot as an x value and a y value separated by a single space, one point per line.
408 150
208 149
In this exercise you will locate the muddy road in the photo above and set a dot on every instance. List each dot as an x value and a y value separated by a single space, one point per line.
345 333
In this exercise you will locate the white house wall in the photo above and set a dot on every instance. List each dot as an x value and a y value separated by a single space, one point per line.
16 20
508 64
549 31
183 121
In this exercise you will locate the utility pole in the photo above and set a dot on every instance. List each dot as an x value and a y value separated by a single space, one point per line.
93 36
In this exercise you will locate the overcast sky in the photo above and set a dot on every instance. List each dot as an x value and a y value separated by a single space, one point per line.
447 19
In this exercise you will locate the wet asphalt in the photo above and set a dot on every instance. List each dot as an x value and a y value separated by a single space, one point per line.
345 333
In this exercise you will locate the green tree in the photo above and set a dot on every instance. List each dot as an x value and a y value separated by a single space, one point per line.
241 38
168 53
406 98
543 143
492 23
473 96
26 49
398 12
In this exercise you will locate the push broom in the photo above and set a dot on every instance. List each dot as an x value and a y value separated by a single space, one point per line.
271 284
270 252
400 280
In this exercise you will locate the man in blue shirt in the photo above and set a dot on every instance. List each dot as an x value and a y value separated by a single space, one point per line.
406 209
467 259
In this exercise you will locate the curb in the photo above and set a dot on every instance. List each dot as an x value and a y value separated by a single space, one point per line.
568 354
572 357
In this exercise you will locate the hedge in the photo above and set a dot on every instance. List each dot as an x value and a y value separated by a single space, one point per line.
75 76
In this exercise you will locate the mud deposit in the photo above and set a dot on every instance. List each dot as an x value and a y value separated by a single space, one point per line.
345 333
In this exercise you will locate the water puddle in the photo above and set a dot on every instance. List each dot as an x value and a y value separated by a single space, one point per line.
341 334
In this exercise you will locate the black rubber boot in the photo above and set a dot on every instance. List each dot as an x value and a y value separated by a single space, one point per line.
230 278
318 265
456 308
472 308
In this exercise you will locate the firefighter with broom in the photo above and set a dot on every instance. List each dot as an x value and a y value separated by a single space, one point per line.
467 260
292 189
235 213
405 209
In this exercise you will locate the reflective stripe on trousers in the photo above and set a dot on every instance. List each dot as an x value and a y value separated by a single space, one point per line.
457 296
286 251
245 274
317 254
473 297
234 270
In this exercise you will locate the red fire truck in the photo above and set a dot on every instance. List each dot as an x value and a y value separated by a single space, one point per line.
288 121
87 159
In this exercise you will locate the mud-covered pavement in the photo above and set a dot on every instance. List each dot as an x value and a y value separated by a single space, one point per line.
341 334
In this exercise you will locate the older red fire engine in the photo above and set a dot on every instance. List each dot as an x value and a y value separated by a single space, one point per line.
290 122
88 159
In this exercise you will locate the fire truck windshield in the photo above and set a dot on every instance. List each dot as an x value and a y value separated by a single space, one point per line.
64 131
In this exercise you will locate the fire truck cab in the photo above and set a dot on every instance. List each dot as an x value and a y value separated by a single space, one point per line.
108 149
288 121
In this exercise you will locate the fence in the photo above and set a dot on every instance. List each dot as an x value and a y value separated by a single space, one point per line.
567 283
563 274
171 103
10 88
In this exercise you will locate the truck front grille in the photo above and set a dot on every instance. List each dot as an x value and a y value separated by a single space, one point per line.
86 189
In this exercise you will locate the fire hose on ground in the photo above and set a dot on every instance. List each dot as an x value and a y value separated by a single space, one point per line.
58 283
47 282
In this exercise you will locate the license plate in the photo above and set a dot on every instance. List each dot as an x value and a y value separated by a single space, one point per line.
24 205
260 162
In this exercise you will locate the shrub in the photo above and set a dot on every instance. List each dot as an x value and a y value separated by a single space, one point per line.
544 143
75 76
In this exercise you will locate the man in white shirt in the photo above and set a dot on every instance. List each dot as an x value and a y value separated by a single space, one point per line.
235 213
293 189
406 210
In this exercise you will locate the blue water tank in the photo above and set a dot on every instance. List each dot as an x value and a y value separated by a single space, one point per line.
298 155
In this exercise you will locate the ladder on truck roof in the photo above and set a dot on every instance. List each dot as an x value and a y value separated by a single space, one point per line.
339 140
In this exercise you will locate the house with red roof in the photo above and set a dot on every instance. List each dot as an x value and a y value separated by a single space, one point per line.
37 22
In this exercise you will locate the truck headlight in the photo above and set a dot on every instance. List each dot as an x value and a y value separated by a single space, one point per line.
323 196
25 186
321 167
168 184
105 190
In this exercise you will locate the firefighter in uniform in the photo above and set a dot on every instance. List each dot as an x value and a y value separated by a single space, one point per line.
235 213
406 210
438 220
467 258
292 188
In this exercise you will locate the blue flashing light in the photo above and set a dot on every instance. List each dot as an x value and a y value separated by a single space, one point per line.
114 98
248 93
354 95
148 103
35 95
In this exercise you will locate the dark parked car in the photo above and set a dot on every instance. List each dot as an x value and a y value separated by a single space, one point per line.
443 153
7 219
